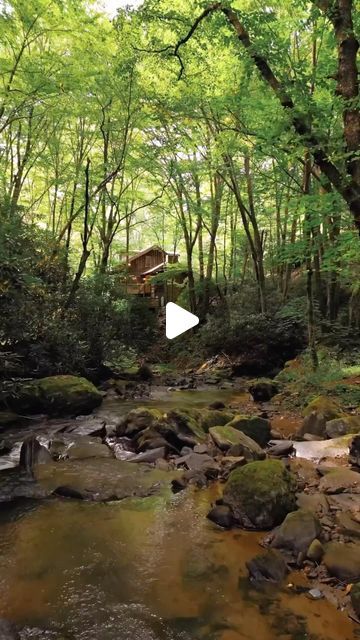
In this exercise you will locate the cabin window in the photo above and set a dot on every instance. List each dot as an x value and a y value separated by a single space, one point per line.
147 262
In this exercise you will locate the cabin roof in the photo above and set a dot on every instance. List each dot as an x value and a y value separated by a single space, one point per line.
159 267
153 248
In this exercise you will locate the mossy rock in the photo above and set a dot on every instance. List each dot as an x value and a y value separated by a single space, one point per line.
343 426
214 417
261 494
325 406
343 560
263 389
184 424
259 429
138 420
56 395
297 532
226 437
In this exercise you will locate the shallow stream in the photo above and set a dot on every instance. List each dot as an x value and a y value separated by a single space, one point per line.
150 568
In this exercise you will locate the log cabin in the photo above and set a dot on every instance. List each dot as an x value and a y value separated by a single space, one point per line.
142 266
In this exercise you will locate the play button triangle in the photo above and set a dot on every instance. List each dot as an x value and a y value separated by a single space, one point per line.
178 320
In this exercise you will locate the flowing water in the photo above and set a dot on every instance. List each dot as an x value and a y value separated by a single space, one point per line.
150 568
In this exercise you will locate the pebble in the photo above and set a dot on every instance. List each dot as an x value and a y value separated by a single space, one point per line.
315 594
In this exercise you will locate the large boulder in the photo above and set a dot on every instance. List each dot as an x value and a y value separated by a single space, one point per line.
56 395
260 494
317 413
227 437
259 429
297 532
343 560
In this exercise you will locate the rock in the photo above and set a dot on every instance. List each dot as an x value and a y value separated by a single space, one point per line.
200 448
324 406
343 560
315 594
315 551
81 451
259 429
318 412
260 494
221 515
179 484
347 525
312 437
263 390
185 425
317 503
340 481
213 418
56 395
185 451
138 420
32 453
8 631
313 424
149 456
229 463
150 439
342 426
91 426
269 566
226 437
217 404
355 598
281 449
297 532
354 457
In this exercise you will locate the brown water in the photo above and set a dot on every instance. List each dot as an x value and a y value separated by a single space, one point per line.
150 568
144 569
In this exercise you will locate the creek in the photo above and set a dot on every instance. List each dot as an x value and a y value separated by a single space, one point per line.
144 568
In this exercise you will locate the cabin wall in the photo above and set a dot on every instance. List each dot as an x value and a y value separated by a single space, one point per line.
147 261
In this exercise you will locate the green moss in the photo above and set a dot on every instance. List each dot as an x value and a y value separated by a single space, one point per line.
225 435
213 417
261 494
253 426
324 405
186 421
57 395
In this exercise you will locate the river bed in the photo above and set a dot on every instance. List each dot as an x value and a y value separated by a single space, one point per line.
150 568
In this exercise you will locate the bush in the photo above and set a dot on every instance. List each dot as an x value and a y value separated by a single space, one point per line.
261 343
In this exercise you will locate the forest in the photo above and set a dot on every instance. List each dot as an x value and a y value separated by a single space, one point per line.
229 136
208 154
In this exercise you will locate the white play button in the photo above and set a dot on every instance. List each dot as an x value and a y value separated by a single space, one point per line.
178 320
